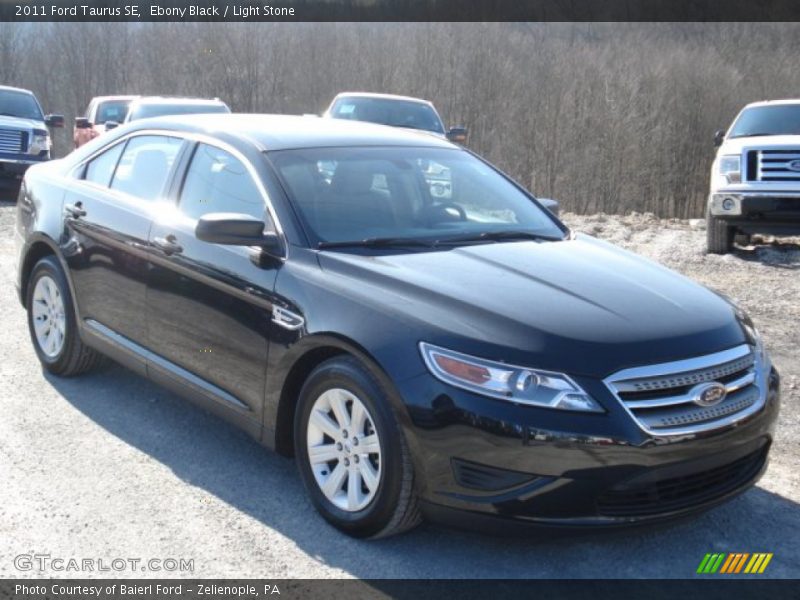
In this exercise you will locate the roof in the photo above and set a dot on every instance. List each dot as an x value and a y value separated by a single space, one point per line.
175 100
8 88
773 102
383 96
113 98
285 132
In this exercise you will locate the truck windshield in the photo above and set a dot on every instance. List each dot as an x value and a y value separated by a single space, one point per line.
408 195
112 110
397 113
19 104
778 119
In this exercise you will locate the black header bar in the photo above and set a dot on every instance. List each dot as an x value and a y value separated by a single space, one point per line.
401 10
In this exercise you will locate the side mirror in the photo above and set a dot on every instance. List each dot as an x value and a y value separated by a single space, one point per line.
236 229
111 125
719 136
457 135
549 204
54 120
82 123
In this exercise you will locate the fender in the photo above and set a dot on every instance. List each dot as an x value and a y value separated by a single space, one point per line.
279 408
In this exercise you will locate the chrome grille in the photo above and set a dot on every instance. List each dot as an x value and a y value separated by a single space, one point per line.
13 141
662 398
778 165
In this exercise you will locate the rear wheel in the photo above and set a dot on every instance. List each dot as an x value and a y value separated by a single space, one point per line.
719 235
51 322
351 452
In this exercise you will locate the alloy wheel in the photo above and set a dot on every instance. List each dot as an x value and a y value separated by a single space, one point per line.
49 320
344 450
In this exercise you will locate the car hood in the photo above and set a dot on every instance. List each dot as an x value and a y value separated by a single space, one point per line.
19 123
581 305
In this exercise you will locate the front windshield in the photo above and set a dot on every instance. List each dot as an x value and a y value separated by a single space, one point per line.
397 113
400 193
19 104
777 119
147 111
112 110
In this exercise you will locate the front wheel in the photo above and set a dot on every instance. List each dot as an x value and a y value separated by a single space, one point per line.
351 452
719 235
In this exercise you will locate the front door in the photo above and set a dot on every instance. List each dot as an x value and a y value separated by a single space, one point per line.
209 306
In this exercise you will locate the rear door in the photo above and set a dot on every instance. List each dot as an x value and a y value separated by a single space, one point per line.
108 215
209 306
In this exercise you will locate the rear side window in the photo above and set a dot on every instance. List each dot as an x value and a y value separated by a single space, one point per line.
101 169
144 166
217 181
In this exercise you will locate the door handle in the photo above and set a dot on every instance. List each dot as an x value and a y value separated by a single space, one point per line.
169 245
75 210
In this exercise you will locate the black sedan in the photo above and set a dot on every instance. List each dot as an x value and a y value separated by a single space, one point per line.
467 358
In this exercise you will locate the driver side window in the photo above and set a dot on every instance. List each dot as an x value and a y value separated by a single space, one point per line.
217 181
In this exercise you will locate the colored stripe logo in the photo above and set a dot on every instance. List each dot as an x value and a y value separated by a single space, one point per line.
734 562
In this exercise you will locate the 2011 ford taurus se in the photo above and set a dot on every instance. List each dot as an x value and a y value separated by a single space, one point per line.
467 359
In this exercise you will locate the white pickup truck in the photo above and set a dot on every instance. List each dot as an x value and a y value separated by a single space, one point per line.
755 179
24 136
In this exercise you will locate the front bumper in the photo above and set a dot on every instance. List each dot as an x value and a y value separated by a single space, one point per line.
491 463
13 166
775 213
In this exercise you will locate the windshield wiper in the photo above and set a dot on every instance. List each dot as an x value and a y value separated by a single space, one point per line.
496 236
378 242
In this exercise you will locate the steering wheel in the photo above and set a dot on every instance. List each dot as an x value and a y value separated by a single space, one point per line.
444 209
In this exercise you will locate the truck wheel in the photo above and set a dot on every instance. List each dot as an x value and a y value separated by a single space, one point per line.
719 235
51 321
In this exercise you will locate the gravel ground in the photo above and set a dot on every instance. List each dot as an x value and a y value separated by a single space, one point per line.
111 466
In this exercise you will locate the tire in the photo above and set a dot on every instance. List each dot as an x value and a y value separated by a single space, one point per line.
69 356
388 507
719 235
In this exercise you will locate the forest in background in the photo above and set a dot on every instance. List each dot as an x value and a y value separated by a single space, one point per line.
610 117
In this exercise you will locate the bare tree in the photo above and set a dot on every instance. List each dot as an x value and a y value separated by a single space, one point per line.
605 117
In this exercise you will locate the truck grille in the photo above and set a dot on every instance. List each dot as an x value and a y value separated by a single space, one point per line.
13 141
663 399
776 165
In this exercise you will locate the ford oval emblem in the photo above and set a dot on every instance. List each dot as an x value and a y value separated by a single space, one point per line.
708 394
794 165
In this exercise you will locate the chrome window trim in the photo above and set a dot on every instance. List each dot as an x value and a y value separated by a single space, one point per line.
692 364
199 138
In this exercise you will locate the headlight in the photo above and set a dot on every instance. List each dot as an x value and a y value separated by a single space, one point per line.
499 380
39 142
730 166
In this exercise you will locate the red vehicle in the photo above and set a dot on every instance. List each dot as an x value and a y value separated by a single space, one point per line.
102 114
